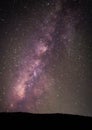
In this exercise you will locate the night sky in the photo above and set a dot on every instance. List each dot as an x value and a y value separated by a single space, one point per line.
45 56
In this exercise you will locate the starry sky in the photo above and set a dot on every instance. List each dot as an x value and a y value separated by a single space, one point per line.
45 56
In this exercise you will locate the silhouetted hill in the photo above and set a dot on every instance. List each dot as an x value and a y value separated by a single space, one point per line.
51 119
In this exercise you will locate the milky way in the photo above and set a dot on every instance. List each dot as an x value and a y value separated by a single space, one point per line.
33 81
45 56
